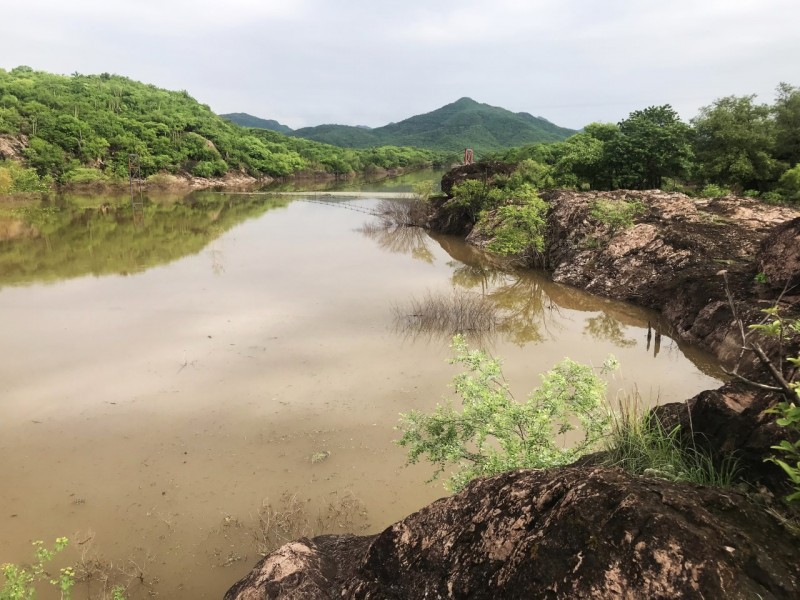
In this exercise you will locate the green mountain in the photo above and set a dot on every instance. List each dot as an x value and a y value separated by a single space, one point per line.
347 136
82 128
246 120
462 124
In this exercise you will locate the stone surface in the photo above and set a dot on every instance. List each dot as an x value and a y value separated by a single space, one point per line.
730 423
577 532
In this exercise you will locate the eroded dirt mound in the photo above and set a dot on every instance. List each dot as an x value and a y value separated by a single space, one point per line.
671 256
779 256
579 532
730 423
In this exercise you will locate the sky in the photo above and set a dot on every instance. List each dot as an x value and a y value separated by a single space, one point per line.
362 62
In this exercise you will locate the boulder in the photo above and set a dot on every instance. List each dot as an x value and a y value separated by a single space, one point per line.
576 532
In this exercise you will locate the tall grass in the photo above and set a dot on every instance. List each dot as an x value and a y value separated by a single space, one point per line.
641 445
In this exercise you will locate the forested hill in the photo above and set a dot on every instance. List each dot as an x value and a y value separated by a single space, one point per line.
81 128
246 120
462 124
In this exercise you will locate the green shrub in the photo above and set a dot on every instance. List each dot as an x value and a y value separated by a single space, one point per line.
210 168
16 179
82 175
789 184
712 190
518 228
773 197
616 214
493 433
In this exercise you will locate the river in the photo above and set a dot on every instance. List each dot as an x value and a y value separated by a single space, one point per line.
178 380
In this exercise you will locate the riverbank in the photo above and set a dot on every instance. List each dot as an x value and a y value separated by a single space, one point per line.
709 267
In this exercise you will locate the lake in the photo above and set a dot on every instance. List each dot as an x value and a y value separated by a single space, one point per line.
187 383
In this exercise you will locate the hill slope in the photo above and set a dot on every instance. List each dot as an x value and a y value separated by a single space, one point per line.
81 129
246 120
462 124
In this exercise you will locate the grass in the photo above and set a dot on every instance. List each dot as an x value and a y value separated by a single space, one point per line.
641 445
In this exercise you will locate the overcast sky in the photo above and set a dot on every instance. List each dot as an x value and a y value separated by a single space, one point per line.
362 62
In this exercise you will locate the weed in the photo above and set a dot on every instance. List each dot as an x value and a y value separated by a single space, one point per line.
640 444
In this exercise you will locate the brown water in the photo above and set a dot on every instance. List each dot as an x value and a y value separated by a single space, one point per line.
166 378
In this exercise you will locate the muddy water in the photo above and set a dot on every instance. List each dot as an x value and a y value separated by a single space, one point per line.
161 379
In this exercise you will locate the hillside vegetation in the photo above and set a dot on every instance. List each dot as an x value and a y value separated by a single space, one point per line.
246 120
451 128
732 145
81 128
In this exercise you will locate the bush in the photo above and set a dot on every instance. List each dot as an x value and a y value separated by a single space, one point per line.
789 184
17 179
518 228
616 214
84 175
494 433
210 168
712 190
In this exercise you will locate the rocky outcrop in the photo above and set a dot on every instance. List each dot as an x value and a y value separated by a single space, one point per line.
12 147
730 424
577 532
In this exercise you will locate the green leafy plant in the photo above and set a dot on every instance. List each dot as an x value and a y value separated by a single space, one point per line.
517 228
712 190
493 432
760 278
616 214
20 581
789 417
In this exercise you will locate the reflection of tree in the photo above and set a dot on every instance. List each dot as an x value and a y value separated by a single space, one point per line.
606 327
400 240
519 298
69 238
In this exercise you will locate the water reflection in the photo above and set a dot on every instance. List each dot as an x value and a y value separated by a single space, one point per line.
400 240
528 307
72 236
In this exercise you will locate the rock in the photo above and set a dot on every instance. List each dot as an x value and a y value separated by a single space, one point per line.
576 532
730 423
304 569
12 147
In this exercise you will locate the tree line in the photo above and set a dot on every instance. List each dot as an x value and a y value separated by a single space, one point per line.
81 128
734 144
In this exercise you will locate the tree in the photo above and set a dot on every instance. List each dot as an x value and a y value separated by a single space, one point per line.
787 124
734 142
652 144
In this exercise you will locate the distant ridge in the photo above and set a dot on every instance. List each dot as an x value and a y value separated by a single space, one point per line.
464 123
246 120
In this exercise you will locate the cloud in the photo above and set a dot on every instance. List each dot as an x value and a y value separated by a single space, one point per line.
360 62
